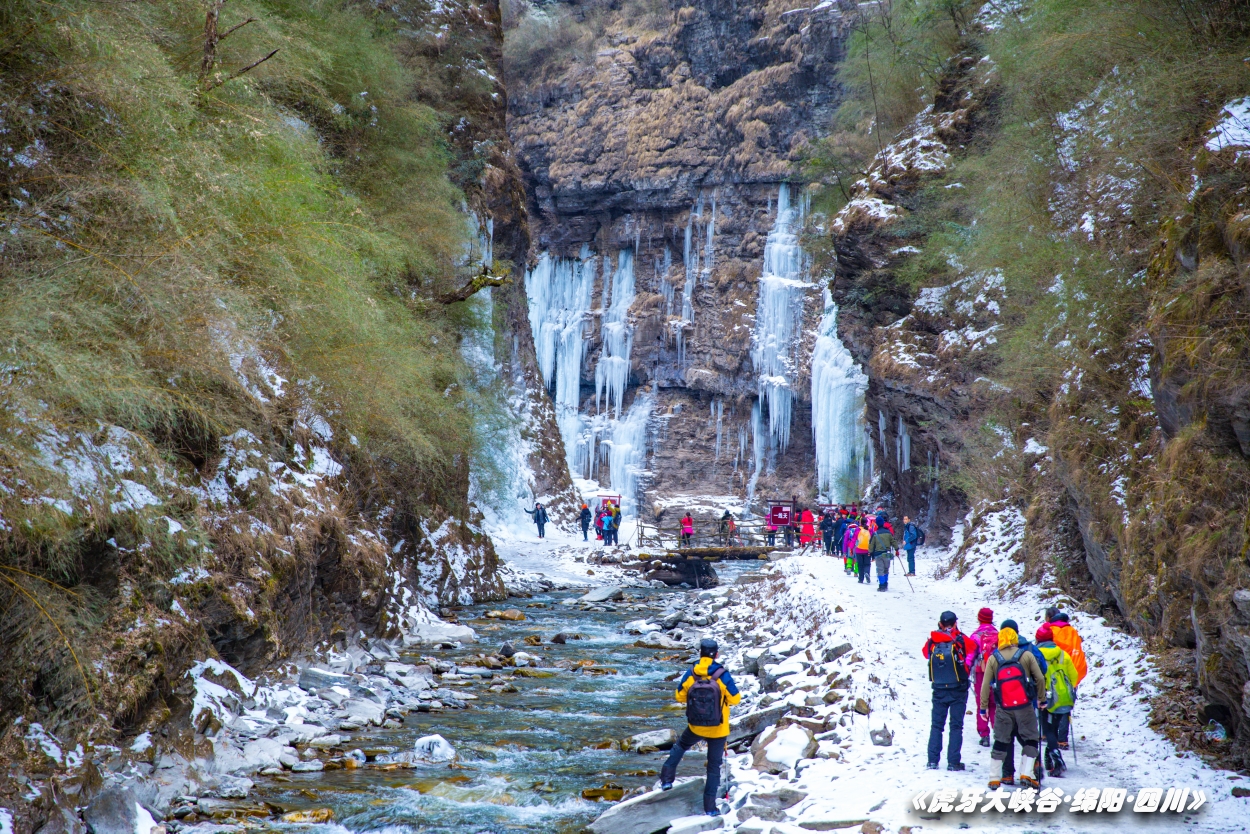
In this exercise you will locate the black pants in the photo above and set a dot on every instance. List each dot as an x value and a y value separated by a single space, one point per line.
829 543
1054 728
542 527
952 703
715 755
864 560
585 531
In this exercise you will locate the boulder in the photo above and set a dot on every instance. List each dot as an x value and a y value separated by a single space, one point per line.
781 798
362 712
439 632
650 742
833 654
523 659
314 766
115 810
757 812
752 724
780 750
694 824
507 650
434 748
882 737
608 593
751 661
314 678
861 706
651 812
560 639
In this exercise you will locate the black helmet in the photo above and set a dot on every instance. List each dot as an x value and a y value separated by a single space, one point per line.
708 647
947 618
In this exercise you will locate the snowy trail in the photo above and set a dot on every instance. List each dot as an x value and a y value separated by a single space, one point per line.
1115 746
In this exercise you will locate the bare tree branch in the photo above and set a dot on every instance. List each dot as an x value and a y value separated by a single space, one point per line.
481 281
235 28
212 85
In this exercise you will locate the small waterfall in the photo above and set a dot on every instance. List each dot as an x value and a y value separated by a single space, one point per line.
838 388
612 372
778 316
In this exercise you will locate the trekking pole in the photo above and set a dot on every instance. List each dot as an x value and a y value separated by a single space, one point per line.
905 576
1072 737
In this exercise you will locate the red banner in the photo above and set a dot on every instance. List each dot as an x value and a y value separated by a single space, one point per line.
781 515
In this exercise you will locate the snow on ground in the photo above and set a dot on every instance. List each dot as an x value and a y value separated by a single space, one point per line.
851 778
1115 748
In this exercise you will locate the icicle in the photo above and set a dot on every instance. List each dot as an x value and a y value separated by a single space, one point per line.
559 291
627 452
777 317
838 388
758 440
612 372
711 232
719 409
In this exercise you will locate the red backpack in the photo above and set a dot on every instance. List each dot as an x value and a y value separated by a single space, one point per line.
1012 686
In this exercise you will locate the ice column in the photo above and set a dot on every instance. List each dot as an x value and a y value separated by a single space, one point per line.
559 291
612 372
838 388
626 452
777 317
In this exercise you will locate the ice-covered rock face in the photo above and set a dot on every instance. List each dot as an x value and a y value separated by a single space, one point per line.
674 161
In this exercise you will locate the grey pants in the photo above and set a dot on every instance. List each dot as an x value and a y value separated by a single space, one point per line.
1021 722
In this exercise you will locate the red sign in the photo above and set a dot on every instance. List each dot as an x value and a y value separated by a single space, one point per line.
780 515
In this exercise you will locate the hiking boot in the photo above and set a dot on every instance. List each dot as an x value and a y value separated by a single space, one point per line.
958 766
1009 781
666 786
880 587
1028 781
985 741
1063 745
932 765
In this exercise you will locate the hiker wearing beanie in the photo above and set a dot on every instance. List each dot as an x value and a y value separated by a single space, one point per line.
951 656
1067 638
1009 763
1014 680
986 638
708 692
1061 678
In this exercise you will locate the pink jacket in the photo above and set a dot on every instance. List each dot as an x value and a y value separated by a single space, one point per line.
986 638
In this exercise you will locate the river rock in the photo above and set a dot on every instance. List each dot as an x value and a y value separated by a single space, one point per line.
650 742
523 658
608 593
438 632
560 639
507 650
833 654
861 706
434 748
653 811
115 810
695 824
781 798
779 750
512 614
313 766
751 724
318 679
362 712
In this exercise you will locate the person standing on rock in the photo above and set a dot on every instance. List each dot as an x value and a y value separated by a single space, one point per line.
708 691
584 518
911 539
951 656
1015 682
881 543
539 514
986 638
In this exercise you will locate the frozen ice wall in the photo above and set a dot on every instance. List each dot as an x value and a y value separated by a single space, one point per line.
612 372
838 388
559 291
783 289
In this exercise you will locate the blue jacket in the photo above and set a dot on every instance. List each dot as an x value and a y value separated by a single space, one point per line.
911 534
1035 651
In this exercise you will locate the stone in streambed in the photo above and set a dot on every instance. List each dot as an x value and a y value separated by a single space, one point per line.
507 650
650 742
439 632
560 639
434 748
608 593
651 812
512 614
695 824
533 640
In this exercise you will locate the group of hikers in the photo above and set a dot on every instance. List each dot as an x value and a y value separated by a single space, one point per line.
1025 691
870 538
607 521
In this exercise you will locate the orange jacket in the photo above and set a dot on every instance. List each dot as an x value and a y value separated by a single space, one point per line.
1067 638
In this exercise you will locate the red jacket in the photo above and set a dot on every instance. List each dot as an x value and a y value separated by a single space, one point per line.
970 648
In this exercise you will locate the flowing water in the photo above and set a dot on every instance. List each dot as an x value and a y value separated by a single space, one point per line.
524 757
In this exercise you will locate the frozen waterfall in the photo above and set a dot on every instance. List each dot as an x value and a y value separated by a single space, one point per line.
625 449
838 388
778 316
612 372
560 291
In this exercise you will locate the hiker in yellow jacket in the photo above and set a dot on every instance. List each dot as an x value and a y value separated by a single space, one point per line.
708 691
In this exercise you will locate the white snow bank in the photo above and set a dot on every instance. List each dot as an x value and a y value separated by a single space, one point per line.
1233 128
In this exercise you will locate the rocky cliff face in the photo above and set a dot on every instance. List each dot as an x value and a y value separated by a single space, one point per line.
672 144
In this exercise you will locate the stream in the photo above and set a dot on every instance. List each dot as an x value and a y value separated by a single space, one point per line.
524 756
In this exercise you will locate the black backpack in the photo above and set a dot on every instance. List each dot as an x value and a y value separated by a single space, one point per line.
703 701
919 536
948 664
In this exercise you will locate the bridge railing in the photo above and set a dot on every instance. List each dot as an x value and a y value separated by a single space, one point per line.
745 534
